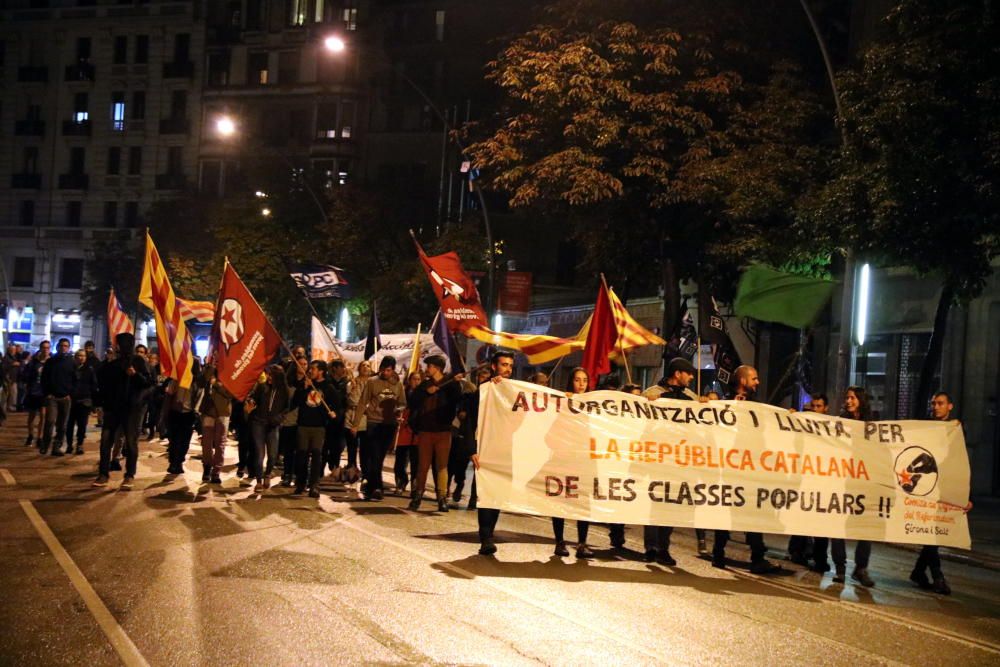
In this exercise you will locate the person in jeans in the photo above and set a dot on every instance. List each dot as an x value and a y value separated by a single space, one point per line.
58 378
267 406
122 382
432 410
84 391
382 401
11 369
313 397
405 465
356 423
215 409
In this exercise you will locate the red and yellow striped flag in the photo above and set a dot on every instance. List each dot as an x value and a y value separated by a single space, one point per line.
538 348
118 321
172 336
200 311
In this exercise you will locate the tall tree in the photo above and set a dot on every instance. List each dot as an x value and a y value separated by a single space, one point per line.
918 181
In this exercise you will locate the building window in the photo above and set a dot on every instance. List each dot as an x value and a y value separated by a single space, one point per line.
346 119
218 69
81 104
134 160
26 213
175 160
83 49
257 69
131 214
349 15
77 160
320 11
297 12
118 111
182 47
326 121
439 25
178 104
114 161
211 178
139 105
141 49
24 272
70 273
110 214
288 67
30 164
74 213
121 50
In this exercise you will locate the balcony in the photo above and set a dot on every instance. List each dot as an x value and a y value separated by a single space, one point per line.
80 72
170 182
74 181
175 126
33 74
76 128
29 128
26 181
178 70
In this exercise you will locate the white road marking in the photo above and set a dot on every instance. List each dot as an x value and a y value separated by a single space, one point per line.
126 650
7 477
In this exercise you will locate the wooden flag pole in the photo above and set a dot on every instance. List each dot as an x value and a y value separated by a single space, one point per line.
415 356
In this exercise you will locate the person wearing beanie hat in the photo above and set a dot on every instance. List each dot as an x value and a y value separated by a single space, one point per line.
382 402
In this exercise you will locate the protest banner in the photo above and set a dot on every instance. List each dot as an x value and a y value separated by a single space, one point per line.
611 457
399 346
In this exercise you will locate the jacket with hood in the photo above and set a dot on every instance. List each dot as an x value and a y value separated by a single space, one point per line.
382 400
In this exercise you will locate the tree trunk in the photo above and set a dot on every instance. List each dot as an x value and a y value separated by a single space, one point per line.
933 359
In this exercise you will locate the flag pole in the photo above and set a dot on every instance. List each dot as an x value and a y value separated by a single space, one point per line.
699 365
312 307
415 356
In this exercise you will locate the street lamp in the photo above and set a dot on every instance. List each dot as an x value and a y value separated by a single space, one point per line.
336 45
225 126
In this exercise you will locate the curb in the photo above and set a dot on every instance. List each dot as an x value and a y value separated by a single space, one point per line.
973 558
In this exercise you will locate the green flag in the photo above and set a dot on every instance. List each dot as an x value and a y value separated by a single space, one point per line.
775 296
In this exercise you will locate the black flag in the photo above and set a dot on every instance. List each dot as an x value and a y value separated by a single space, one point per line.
683 340
320 281
374 341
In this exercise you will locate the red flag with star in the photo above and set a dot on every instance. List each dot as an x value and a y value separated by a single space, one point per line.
243 339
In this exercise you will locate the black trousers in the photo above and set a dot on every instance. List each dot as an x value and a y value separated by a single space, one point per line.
180 428
755 540
656 538
79 413
405 466
374 444
929 558
310 447
862 552
333 444
288 441
487 523
559 530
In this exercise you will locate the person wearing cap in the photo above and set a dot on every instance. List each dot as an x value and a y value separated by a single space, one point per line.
122 382
382 402
682 392
432 410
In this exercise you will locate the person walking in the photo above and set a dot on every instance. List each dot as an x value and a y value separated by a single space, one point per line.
356 422
215 409
501 368
181 406
313 396
122 383
269 402
407 458
382 401
10 369
579 382
333 440
432 410
34 392
83 395
58 377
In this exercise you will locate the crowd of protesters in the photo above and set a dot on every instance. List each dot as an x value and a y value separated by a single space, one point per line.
303 414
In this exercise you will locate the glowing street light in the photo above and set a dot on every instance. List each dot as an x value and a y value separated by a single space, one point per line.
334 44
861 317
225 126
266 212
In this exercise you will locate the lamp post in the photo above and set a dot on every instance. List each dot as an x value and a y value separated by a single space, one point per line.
336 45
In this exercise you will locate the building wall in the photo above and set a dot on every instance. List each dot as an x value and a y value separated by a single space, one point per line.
53 56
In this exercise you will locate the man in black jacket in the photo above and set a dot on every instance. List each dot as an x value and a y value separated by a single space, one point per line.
122 382
84 393
333 443
58 378
432 411
314 396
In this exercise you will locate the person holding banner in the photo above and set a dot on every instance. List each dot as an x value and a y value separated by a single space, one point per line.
579 381
856 406
501 366
432 410
382 402
746 387
465 444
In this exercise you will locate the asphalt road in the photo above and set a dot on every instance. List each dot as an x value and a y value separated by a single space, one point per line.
178 573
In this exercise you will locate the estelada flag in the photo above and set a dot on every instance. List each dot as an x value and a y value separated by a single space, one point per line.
454 289
172 335
601 337
244 340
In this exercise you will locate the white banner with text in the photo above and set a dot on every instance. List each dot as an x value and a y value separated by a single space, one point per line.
611 457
